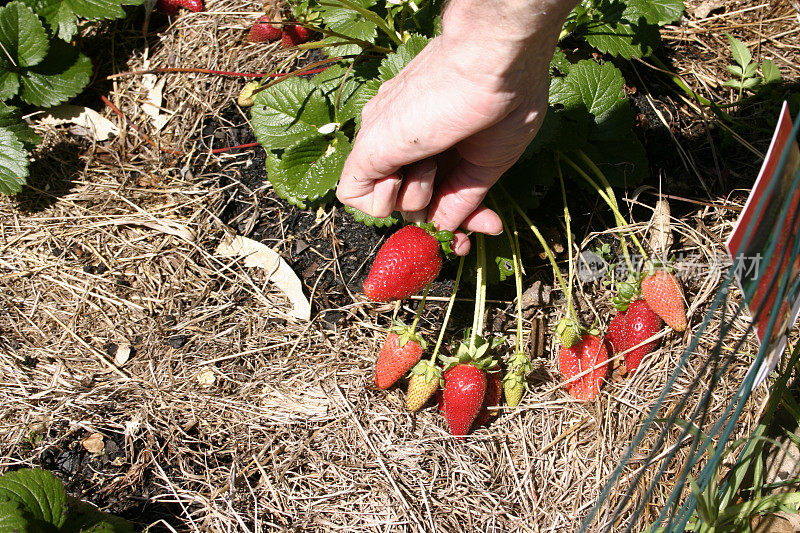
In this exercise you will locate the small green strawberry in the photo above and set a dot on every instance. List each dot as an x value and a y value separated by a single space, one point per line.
568 332
424 382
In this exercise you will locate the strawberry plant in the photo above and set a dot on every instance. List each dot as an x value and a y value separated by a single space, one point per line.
34 500
623 28
40 67
745 69
307 125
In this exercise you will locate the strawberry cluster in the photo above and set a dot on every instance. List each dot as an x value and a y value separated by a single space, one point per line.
469 383
266 30
631 332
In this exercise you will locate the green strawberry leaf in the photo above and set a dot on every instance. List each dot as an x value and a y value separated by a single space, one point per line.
736 84
12 519
560 64
369 220
751 83
659 12
9 84
63 15
23 39
617 28
750 70
392 64
343 87
598 87
13 165
739 51
11 120
770 71
38 493
621 39
289 112
62 75
87 518
309 169
736 70
350 23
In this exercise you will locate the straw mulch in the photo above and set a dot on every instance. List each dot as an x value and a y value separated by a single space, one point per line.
229 414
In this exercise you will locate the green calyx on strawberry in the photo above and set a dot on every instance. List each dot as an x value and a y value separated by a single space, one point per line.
479 356
568 332
627 291
428 370
408 260
406 334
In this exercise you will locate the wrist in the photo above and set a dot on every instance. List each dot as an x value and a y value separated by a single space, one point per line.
511 23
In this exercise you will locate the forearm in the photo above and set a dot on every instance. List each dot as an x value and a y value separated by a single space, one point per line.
509 38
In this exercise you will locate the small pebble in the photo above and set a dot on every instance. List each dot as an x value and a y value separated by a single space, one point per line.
178 341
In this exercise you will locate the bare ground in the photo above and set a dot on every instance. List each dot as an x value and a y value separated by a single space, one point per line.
230 415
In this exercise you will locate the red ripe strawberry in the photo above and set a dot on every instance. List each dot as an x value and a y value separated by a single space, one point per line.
294 35
615 329
569 365
641 323
263 32
494 390
170 7
191 5
590 352
408 260
398 355
664 295
462 399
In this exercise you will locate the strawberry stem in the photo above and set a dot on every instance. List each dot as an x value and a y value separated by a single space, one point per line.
556 272
568 223
449 310
480 294
516 258
420 308
237 147
617 215
610 192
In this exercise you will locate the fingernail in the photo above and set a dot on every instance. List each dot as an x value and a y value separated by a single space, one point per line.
415 216
498 233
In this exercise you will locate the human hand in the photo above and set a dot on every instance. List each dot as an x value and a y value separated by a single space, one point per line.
439 134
